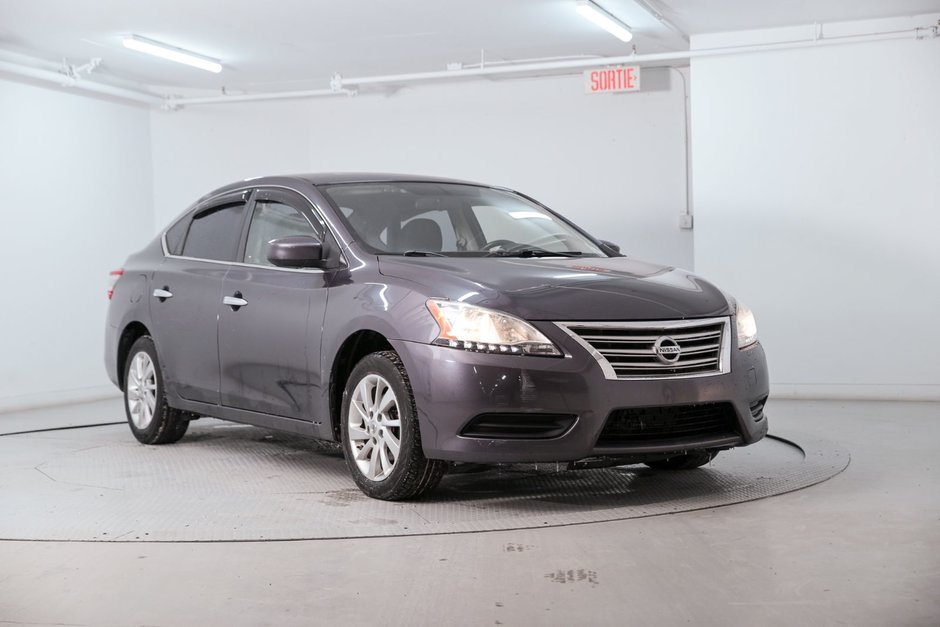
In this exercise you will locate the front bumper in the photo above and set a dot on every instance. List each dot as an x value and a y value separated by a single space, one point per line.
452 386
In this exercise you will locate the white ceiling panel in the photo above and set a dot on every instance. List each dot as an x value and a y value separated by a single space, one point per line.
717 16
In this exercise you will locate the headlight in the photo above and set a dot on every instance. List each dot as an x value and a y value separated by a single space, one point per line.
747 326
480 329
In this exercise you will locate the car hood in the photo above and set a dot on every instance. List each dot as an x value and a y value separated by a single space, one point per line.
614 288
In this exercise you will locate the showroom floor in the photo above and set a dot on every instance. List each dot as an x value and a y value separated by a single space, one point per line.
862 549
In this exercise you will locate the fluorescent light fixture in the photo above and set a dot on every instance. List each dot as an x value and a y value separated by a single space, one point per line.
172 53
605 20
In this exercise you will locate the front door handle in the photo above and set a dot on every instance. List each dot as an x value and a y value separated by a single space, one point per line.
163 294
235 301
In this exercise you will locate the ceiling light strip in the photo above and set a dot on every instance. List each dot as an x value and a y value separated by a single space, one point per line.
605 20
172 53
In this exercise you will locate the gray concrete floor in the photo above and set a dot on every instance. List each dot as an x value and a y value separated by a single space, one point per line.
860 549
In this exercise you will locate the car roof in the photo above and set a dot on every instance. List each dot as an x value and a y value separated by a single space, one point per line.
333 178
339 178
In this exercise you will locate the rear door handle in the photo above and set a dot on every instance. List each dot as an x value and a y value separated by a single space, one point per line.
235 301
163 294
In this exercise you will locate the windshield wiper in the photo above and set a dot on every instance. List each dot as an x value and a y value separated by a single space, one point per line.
421 253
532 251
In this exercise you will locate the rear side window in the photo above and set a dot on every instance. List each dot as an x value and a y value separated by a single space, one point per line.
214 233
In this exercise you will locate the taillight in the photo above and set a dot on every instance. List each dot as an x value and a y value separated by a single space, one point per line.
113 278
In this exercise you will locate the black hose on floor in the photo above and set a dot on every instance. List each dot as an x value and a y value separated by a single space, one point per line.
99 424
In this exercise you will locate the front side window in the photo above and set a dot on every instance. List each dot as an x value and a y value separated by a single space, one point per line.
427 218
272 220
214 233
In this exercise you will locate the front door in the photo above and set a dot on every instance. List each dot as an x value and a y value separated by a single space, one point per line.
269 330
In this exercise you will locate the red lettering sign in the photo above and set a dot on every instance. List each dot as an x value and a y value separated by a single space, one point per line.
612 79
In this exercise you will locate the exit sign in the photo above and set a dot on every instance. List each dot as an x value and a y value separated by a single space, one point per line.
612 79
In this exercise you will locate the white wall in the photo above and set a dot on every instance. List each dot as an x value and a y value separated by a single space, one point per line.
199 149
75 175
816 197
613 163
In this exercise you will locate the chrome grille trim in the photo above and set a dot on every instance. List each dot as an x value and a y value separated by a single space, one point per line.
624 350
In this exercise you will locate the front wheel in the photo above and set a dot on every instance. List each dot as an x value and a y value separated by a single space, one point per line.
381 438
687 461
151 419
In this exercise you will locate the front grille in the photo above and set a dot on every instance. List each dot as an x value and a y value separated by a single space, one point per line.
677 422
656 350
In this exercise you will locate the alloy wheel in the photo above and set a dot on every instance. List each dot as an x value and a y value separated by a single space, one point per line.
141 390
374 426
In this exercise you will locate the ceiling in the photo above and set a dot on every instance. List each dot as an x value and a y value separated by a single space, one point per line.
294 44
715 16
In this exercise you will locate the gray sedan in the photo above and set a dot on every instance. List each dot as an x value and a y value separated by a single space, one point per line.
424 322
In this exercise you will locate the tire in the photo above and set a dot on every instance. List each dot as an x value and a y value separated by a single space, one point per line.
371 432
684 462
151 419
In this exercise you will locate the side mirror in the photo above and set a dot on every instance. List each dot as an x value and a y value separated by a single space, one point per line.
610 245
296 251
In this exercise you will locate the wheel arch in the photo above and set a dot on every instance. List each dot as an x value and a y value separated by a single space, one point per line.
355 347
131 333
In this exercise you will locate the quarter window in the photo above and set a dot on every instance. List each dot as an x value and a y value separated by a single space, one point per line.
272 220
175 235
214 233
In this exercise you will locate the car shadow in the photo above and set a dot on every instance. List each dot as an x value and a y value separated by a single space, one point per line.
523 488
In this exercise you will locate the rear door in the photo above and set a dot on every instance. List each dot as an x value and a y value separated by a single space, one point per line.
269 347
186 296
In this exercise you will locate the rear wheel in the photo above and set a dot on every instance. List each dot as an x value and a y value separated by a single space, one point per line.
381 438
687 461
151 419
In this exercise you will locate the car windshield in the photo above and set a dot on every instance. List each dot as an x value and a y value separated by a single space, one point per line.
447 219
